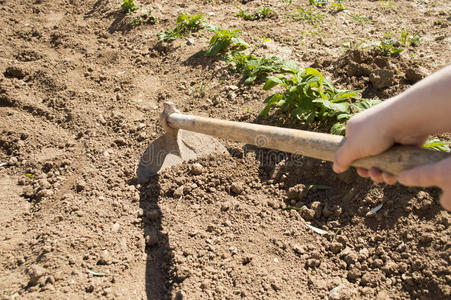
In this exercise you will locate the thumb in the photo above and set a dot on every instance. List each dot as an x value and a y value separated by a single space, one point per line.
344 156
424 176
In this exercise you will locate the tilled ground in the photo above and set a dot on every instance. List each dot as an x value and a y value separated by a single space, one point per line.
80 95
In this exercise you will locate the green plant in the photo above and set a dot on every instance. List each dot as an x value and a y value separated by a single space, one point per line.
310 97
260 14
128 6
388 5
255 68
388 47
361 18
439 22
319 3
144 19
225 40
308 15
337 5
185 24
408 39
436 144
350 45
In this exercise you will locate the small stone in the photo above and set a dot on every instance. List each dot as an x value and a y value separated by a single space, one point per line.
35 272
190 41
297 248
15 72
354 274
105 258
44 184
381 78
101 119
316 206
414 75
368 279
179 191
152 214
197 169
313 263
306 213
297 192
225 206
151 240
336 247
115 227
80 186
339 293
44 194
237 188
13 161
120 141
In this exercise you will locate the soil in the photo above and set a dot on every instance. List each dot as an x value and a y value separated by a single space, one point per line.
80 94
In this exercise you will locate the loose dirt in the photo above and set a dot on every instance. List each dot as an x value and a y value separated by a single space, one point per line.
80 94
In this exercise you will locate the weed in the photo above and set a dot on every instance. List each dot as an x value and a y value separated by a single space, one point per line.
361 18
255 68
388 47
185 24
388 5
310 97
319 3
337 5
225 40
439 22
408 39
260 14
354 45
436 144
144 19
29 175
128 6
308 15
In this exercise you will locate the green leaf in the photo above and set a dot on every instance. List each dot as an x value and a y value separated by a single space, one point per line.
436 144
291 66
338 129
272 81
213 28
270 101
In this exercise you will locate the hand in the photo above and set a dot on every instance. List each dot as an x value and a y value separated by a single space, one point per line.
436 174
369 133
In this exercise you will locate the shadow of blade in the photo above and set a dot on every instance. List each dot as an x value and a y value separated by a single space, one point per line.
159 254
162 153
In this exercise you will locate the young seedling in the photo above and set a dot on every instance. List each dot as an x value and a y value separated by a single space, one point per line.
308 15
260 14
185 24
144 19
388 47
224 40
361 18
128 6
408 39
254 68
337 5
319 3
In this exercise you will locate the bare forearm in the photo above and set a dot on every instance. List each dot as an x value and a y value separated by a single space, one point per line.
423 109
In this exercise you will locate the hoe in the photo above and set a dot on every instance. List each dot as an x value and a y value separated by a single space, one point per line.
188 137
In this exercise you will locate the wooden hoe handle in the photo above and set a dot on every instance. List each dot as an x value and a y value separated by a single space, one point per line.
317 145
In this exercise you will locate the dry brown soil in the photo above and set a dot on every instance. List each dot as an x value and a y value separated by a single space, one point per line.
80 95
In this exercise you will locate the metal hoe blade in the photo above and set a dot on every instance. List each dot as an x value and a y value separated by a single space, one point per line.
173 148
